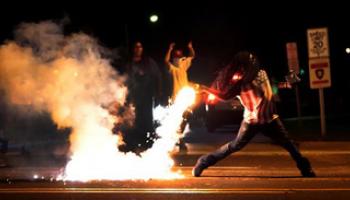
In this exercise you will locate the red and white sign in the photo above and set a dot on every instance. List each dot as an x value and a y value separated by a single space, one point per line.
320 73
292 56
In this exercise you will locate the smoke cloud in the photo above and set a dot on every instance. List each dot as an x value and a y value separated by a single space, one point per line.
65 76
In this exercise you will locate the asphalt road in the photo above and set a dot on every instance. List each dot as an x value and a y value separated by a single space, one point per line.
261 171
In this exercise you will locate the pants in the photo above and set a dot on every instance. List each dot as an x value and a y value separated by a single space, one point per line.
189 112
274 130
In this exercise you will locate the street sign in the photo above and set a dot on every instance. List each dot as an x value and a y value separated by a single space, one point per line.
320 73
292 56
317 40
319 67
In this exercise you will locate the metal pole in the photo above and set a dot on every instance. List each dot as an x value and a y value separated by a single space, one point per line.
297 97
322 113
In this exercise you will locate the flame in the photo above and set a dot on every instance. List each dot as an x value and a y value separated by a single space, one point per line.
97 156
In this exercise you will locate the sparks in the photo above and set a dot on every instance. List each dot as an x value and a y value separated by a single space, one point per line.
99 159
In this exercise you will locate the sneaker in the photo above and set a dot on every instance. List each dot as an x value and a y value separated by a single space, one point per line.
198 169
308 173
305 168
182 146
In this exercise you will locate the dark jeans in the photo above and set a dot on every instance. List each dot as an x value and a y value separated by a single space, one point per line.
274 130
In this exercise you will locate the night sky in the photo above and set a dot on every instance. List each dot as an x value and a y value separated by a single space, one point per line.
218 30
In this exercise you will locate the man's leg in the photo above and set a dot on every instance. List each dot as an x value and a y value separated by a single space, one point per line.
185 121
277 132
186 115
181 143
245 134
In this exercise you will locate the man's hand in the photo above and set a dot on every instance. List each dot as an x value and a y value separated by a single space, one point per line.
168 55
171 46
190 46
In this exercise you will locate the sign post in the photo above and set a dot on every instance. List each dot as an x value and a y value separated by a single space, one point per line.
319 67
293 65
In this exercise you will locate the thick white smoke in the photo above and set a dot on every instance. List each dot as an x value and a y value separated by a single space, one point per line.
67 77
63 75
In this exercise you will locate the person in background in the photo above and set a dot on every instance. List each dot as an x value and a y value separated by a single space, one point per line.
177 65
144 84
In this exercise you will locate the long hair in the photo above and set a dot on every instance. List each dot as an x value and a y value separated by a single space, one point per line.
246 63
243 62
145 60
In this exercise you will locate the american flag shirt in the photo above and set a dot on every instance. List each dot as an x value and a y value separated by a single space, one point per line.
257 99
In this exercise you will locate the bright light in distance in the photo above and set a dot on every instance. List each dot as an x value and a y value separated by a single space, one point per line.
153 18
347 50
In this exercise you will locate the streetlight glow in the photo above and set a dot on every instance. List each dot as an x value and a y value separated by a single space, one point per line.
153 18
347 50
